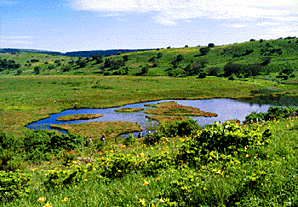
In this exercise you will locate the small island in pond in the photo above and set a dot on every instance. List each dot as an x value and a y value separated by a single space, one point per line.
78 117
172 108
129 110
163 119
97 129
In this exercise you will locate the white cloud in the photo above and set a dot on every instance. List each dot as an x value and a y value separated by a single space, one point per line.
239 25
17 37
8 2
169 11
267 23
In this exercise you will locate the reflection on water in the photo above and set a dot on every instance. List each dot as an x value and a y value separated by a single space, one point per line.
274 101
227 109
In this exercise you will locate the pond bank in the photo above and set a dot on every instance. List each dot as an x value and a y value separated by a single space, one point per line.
227 109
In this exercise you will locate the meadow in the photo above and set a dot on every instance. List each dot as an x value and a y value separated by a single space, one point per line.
181 164
26 99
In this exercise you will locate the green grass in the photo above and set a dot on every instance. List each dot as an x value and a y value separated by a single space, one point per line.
45 95
263 176
78 117
217 57
272 169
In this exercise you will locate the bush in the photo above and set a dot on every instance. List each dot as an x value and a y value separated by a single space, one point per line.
14 185
129 140
227 139
42 144
274 112
204 50
172 129
211 45
59 178
117 165
37 70
202 75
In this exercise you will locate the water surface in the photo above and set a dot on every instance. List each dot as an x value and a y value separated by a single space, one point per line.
227 109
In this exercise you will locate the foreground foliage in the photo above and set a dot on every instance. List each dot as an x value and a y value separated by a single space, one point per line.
220 165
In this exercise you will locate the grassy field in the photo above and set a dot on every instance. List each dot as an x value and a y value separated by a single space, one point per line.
26 99
179 165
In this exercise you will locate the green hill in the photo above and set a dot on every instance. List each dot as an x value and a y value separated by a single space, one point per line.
276 59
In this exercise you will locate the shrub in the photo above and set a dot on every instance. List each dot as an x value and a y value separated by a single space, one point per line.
202 75
152 164
37 70
227 139
14 185
42 144
117 165
59 178
211 45
172 129
274 112
129 140
204 50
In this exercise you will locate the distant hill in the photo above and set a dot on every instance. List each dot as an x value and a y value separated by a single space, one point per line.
73 54
11 50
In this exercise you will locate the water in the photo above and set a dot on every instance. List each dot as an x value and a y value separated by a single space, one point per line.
227 109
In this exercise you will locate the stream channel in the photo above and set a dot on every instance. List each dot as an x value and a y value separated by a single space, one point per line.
227 109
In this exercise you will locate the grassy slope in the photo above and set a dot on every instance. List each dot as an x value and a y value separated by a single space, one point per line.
217 57
276 162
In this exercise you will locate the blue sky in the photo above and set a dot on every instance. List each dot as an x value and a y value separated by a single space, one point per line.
76 25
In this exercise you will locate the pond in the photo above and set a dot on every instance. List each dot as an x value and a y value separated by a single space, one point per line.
227 109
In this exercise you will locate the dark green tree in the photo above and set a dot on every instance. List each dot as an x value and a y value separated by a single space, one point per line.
159 55
204 50
37 70
211 45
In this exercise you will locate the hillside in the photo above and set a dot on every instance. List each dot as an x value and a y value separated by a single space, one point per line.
72 54
275 59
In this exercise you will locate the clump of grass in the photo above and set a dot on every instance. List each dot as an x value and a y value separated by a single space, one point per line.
96 129
78 117
174 109
163 119
129 110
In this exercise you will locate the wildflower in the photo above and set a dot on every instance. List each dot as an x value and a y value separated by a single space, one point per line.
247 156
65 199
118 170
145 183
157 179
85 179
161 200
41 199
48 205
142 201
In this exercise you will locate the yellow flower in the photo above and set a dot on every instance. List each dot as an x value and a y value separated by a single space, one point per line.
118 170
247 156
161 200
47 205
145 183
157 179
85 179
41 199
64 200
142 201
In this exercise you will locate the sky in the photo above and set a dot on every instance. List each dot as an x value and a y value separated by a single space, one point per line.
79 25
